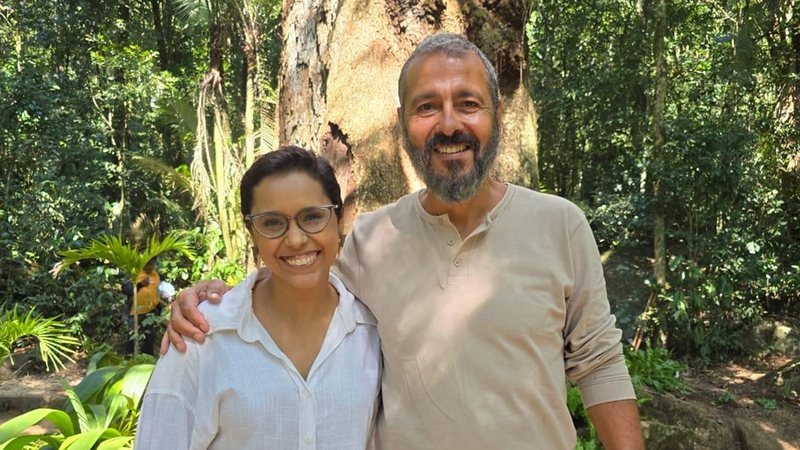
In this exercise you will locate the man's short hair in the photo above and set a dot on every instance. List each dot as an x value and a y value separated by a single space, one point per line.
453 45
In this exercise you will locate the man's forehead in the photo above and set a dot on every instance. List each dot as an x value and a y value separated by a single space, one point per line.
433 67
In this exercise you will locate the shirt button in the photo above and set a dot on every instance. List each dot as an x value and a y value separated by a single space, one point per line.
457 263
451 242
308 440
307 393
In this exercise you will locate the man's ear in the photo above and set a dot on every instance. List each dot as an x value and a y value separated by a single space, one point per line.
400 115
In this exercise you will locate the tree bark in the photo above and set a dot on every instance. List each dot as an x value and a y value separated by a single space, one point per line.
161 42
659 139
338 86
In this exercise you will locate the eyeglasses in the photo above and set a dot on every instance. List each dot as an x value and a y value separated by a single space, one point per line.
273 225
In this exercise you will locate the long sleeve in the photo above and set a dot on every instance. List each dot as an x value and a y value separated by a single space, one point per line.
168 415
592 350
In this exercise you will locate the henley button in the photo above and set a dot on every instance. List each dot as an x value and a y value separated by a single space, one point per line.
308 440
307 393
451 242
457 263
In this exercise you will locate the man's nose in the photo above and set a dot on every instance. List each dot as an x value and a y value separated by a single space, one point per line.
449 123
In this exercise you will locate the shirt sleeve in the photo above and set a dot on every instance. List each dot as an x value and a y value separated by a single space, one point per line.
592 350
167 419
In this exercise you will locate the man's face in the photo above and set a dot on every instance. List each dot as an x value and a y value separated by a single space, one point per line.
450 128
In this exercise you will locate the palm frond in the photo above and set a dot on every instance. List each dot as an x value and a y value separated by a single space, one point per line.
191 11
112 249
163 170
106 248
174 241
55 340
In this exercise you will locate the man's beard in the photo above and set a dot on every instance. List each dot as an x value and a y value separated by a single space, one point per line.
454 187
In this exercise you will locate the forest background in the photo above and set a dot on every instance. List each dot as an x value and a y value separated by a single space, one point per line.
674 125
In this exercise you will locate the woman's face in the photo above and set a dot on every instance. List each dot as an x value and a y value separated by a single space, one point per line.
298 258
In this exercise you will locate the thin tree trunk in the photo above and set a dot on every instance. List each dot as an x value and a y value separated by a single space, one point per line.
161 43
659 139
135 319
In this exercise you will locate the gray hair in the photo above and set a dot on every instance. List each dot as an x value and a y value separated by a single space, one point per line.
453 45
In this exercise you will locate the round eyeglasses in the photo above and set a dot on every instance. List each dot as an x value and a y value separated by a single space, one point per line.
273 225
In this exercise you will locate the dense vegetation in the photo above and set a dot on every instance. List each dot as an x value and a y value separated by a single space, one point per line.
727 170
676 127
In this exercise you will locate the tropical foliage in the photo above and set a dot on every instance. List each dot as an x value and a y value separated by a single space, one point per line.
111 249
54 340
101 411
727 169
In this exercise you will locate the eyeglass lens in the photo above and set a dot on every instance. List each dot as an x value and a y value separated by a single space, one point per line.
311 220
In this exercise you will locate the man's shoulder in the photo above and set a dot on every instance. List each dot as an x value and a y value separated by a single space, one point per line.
542 205
387 214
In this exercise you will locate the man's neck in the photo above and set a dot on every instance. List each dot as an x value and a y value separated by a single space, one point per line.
466 216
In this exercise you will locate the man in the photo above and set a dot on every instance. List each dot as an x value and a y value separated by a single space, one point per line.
150 291
488 295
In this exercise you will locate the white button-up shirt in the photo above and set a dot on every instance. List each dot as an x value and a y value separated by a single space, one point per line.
239 391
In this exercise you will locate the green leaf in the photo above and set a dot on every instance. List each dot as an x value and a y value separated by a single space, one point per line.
135 382
77 406
23 442
17 425
97 380
116 443
87 440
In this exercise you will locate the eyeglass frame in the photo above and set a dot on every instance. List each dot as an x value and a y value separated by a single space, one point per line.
248 219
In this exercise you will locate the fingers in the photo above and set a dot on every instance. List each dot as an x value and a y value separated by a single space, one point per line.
186 318
215 289
164 343
172 337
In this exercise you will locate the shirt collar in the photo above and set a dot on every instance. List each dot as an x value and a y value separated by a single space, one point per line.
235 311
444 219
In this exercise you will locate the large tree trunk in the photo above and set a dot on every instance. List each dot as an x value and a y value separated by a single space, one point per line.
338 86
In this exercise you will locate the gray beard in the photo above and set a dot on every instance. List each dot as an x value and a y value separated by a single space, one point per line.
454 187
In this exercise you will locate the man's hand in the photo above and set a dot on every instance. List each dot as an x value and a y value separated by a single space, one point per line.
186 319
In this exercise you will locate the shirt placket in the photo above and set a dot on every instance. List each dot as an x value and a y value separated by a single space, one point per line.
455 249
308 428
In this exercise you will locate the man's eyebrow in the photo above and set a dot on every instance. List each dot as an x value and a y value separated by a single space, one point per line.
466 92
429 95
460 93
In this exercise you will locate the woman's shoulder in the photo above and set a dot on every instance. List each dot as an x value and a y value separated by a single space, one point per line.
228 313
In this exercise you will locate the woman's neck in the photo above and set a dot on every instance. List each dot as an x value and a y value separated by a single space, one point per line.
294 305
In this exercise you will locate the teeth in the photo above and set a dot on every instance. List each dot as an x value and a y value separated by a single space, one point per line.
299 261
448 149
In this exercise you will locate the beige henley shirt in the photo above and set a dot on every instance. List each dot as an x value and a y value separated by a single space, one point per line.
480 335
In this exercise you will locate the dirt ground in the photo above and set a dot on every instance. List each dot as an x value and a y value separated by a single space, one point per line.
21 393
742 391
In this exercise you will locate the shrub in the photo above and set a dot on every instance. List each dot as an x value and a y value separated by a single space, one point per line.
102 409
52 337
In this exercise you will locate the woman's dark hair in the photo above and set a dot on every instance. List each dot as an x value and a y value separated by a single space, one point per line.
290 159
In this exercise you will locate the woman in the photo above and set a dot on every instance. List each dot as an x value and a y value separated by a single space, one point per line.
292 359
